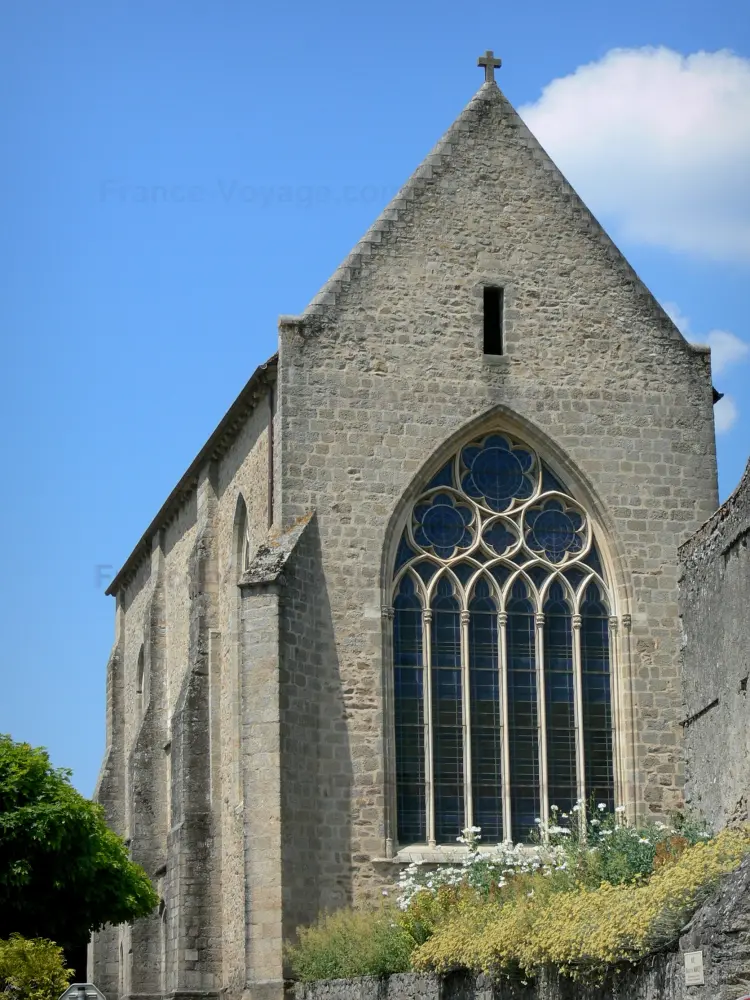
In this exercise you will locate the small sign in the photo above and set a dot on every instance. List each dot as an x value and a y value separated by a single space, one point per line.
694 968
82 991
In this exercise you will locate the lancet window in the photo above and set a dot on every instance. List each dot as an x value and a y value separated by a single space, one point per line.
501 651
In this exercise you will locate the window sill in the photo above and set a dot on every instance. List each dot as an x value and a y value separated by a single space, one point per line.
445 854
496 360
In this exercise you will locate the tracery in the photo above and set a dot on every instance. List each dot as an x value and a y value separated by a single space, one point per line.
501 651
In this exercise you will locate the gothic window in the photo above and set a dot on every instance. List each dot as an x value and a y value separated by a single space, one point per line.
241 557
501 651
242 548
164 941
140 682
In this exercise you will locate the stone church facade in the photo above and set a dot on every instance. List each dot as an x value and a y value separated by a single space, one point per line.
423 574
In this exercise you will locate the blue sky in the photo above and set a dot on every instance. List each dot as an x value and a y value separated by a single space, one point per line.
176 175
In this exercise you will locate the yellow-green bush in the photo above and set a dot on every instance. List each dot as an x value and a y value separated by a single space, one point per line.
583 930
32 969
352 943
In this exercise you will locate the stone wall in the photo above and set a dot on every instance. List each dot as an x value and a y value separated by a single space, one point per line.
242 508
715 614
720 929
171 781
384 375
316 762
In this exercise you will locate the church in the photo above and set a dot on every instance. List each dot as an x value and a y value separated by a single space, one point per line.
422 576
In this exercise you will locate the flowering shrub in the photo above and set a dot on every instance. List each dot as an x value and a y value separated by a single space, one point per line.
590 892
584 930
585 847
598 846
352 943
483 871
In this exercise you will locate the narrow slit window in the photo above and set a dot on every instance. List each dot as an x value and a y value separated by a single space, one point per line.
493 320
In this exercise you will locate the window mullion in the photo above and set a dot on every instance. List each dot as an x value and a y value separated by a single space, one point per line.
502 621
388 615
466 728
428 768
541 702
578 709
616 700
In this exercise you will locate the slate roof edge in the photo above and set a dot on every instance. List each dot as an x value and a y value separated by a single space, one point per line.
217 445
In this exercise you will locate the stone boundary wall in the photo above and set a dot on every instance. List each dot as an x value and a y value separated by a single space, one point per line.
720 928
715 617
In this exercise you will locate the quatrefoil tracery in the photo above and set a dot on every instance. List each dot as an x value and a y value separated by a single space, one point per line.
496 513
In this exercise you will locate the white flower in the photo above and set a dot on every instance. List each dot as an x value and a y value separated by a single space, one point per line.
576 808
601 806
620 809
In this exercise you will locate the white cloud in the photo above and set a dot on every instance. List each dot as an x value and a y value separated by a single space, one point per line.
659 143
725 414
678 317
727 349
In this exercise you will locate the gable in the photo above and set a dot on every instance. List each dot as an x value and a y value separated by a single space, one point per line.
489 200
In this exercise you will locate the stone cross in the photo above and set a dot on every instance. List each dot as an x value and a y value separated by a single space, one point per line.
490 64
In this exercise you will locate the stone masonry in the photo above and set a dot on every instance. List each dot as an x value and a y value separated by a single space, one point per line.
249 758
715 614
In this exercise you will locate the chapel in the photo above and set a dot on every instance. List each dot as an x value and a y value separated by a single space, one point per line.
423 575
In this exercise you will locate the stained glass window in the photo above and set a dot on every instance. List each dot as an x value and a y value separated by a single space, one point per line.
523 714
447 713
486 720
559 683
597 703
409 706
501 651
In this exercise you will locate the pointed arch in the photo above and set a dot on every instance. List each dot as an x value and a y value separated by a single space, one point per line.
241 538
238 563
512 587
122 976
163 947
561 465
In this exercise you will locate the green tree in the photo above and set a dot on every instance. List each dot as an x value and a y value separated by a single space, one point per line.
32 970
63 872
